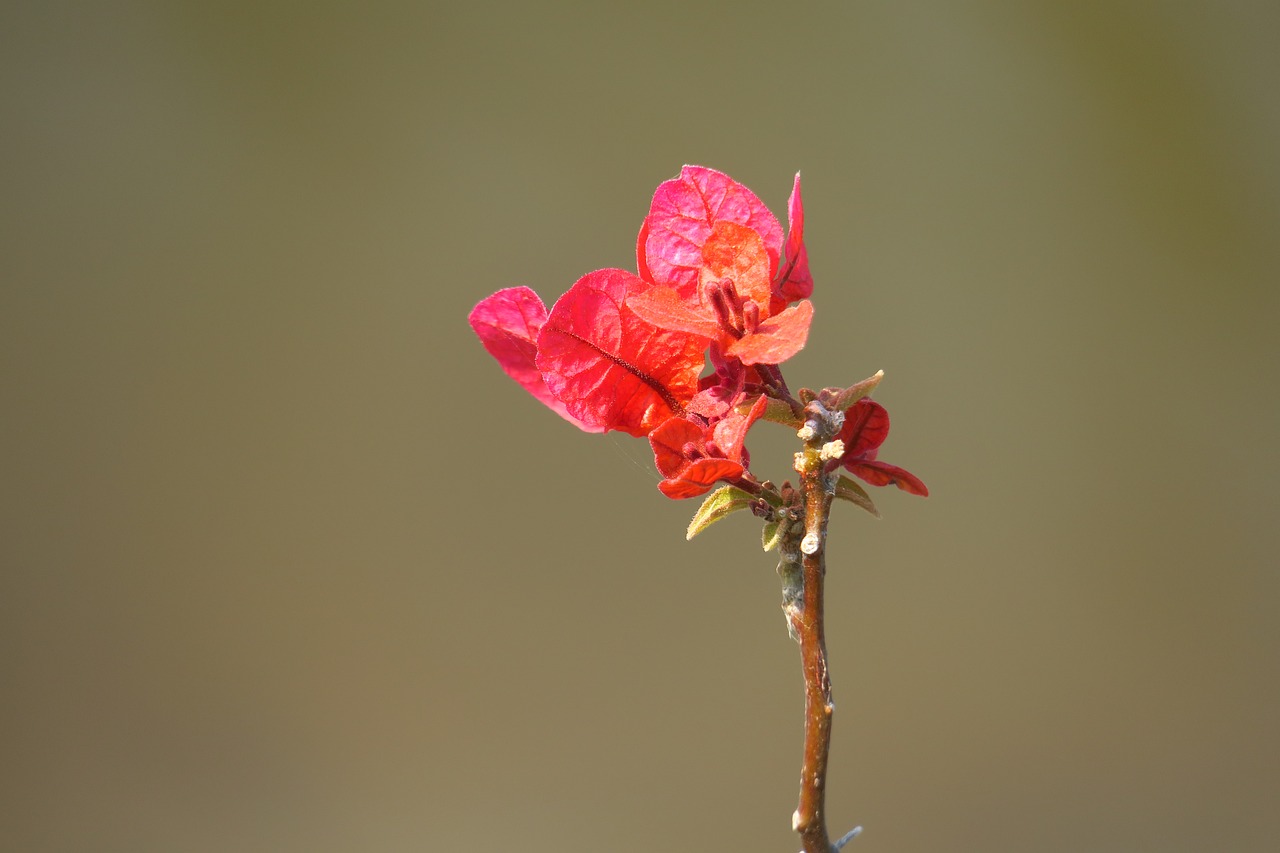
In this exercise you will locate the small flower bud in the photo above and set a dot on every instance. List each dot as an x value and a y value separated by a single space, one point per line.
831 450
750 316
689 450
806 432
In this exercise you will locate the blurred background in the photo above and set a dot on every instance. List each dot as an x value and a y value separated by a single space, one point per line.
289 564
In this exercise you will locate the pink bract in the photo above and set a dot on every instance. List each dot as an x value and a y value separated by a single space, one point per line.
684 212
508 323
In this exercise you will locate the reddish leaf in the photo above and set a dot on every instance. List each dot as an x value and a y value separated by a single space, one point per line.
611 368
866 426
795 281
508 323
777 338
689 464
882 474
699 477
668 442
681 217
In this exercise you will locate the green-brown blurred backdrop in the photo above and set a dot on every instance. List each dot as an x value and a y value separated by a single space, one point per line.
289 565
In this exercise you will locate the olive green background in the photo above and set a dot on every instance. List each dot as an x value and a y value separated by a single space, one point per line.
289 564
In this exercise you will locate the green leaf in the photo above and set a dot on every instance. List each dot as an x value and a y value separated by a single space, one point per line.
723 501
771 535
845 398
778 412
849 490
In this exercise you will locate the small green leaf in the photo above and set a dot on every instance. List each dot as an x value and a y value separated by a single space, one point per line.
778 412
723 501
845 398
849 490
770 536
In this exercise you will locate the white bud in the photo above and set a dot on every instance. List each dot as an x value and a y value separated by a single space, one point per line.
798 464
809 544
806 432
832 450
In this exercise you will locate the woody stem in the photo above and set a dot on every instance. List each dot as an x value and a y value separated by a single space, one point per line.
806 621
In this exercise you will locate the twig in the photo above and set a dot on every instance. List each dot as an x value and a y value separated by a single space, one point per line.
805 619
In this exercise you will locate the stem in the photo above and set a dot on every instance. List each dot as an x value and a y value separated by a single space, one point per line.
805 617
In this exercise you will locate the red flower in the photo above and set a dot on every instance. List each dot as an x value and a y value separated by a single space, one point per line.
866 426
621 352
693 457
711 248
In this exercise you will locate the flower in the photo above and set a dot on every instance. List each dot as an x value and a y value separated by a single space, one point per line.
621 351
712 252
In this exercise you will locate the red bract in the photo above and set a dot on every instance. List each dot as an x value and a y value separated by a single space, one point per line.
508 323
621 352
866 426
684 212
612 369
794 280
692 457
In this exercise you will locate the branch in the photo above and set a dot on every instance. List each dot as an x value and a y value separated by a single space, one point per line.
805 619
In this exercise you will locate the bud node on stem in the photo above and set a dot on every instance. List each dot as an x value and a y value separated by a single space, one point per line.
810 543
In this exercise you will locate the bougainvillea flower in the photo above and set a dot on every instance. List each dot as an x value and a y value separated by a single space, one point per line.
866 426
733 302
681 218
611 368
794 279
508 323
693 457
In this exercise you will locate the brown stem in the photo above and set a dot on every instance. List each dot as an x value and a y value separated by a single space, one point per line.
810 817
807 626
